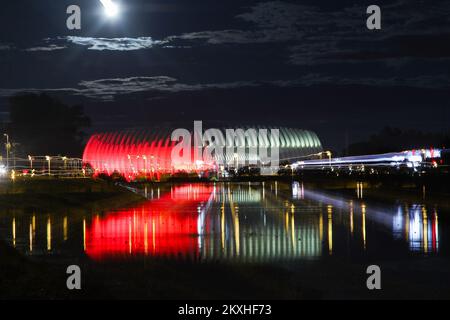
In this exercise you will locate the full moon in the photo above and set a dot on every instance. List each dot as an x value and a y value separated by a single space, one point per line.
111 9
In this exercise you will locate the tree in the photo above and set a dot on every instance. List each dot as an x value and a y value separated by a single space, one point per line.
43 125
394 140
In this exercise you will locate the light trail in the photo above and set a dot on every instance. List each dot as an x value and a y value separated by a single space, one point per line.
409 158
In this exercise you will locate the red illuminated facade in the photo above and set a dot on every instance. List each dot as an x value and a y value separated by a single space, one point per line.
131 154
147 153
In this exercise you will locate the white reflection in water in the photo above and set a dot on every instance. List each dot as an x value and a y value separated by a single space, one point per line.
298 190
413 225
419 228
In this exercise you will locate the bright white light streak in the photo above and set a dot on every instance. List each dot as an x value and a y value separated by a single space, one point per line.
111 8
378 215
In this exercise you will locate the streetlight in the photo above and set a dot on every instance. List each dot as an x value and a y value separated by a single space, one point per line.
8 147
65 162
329 156
31 162
48 158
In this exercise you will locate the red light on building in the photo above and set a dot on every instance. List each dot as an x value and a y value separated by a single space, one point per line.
148 153
125 154
164 227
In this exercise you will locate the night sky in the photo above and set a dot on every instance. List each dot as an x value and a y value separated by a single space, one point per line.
308 64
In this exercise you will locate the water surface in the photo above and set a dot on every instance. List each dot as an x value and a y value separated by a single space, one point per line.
233 223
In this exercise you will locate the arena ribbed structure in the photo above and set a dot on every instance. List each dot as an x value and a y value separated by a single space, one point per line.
147 152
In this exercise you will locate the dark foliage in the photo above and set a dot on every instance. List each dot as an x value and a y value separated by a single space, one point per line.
43 125
394 139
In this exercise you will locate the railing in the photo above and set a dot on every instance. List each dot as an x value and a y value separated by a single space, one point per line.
40 166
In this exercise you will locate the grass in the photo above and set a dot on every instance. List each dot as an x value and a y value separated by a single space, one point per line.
60 194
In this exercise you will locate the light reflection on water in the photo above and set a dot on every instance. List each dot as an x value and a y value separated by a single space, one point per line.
419 227
231 222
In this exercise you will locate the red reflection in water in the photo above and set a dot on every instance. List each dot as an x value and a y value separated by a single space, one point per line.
167 226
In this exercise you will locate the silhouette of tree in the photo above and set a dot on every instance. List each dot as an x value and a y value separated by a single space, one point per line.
394 139
41 125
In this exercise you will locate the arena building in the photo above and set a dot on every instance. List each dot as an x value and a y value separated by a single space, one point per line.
148 152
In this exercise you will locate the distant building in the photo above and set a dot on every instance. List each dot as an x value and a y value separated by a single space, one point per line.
147 152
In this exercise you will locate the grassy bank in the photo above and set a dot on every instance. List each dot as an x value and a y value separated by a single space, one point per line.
61 194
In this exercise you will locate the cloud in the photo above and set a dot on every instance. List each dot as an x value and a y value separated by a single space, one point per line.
409 31
109 89
119 86
115 44
5 46
51 47
441 81
310 35
98 44
269 21
314 35
276 14
223 37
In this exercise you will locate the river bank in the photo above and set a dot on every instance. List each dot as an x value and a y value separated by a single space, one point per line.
63 194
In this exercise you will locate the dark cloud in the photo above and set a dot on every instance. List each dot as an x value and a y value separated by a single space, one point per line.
107 89
4 46
424 81
312 34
